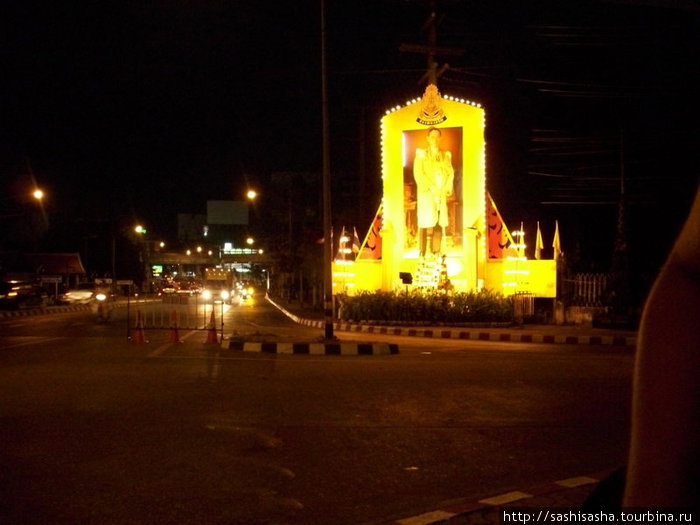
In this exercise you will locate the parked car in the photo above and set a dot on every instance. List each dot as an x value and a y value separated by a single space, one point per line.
20 294
84 293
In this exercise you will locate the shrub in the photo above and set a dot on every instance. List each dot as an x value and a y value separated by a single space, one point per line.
430 307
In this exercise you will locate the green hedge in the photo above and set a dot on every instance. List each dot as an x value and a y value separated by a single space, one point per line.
430 307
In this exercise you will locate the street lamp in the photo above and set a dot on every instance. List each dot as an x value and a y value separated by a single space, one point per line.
144 252
251 194
23 216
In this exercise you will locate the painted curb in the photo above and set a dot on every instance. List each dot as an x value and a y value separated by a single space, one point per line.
480 334
499 500
329 348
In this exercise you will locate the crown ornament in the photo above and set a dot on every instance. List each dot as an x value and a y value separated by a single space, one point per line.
431 112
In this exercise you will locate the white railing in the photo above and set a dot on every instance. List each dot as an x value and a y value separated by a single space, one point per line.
587 289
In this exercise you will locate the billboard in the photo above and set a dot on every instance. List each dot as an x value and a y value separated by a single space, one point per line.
437 226
227 212
434 189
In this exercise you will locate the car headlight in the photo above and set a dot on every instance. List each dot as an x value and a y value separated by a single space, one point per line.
206 294
224 294
100 297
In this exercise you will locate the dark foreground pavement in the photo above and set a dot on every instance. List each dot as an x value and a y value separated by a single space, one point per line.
569 493
572 494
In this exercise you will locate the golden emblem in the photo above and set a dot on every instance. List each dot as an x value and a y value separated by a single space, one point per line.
431 112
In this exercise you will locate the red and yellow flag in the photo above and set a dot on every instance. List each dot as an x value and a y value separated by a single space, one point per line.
372 245
499 236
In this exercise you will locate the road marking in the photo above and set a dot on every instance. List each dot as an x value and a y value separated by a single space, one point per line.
162 348
576 482
34 339
427 518
508 497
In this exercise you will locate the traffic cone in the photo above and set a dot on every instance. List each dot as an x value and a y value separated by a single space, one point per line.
174 336
137 335
211 331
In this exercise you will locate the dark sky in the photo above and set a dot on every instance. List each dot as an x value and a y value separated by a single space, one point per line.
151 108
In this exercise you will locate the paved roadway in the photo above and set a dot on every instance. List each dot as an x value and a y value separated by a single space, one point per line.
100 430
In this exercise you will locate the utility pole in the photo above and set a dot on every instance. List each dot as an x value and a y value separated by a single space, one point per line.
431 50
327 248
619 271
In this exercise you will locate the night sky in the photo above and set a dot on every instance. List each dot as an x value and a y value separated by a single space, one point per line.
147 109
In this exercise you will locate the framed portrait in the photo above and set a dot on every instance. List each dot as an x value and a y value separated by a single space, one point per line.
432 189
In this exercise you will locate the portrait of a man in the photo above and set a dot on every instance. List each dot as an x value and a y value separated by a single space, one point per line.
434 176
431 191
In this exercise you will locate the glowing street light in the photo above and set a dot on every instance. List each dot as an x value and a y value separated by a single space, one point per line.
25 207
24 197
251 194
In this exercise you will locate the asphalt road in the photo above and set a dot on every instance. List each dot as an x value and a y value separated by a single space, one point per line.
96 429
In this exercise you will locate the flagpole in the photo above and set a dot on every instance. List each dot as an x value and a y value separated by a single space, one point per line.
556 244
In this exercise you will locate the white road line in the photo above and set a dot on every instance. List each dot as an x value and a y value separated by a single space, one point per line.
162 348
33 340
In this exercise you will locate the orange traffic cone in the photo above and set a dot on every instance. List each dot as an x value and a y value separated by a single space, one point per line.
174 336
211 331
138 335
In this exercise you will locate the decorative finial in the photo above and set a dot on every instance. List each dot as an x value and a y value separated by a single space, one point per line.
431 112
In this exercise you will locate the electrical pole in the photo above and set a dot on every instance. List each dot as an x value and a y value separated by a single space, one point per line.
431 49
619 271
327 248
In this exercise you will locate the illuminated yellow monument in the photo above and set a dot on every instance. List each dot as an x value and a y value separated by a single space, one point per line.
433 213
437 225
